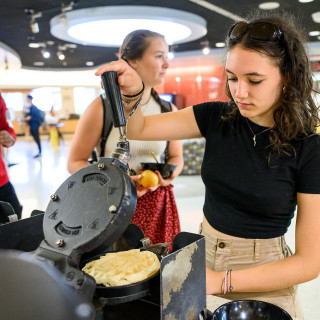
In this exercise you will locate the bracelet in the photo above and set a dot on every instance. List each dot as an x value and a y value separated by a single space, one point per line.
135 95
226 282
230 286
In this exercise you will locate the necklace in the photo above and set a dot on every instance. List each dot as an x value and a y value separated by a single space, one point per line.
255 134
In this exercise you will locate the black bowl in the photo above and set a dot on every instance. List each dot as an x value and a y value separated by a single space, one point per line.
165 169
249 310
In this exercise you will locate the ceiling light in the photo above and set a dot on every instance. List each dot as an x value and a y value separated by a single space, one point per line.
45 53
89 63
33 22
70 45
314 33
38 63
34 26
60 55
269 5
304 1
34 45
170 55
206 50
316 17
64 9
220 44
206 47
68 7
85 25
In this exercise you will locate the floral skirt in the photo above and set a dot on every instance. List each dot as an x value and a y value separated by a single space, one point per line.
157 215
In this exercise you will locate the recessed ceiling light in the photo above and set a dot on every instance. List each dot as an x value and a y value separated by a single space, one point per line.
316 17
34 45
85 25
269 5
45 53
170 55
304 1
206 50
38 63
220 44
314 33
71 45
50 43
60 55
89 63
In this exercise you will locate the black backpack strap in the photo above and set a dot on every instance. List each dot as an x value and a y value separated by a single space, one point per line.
165 106
107 125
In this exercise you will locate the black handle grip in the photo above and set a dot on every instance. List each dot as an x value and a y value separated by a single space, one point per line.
111 87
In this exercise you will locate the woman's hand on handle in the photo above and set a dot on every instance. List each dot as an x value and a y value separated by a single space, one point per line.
129 81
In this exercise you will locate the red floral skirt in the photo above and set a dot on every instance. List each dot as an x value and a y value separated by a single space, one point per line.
157 215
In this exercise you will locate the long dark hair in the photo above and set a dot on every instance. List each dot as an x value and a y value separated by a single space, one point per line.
134 46
297 115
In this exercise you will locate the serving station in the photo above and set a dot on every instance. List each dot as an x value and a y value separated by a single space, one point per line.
87 216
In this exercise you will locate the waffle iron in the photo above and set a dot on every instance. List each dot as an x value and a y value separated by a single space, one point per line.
89 215
92 209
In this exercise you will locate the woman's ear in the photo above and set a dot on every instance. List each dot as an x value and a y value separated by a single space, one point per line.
133 63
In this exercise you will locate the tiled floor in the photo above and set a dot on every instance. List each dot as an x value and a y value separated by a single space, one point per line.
36 179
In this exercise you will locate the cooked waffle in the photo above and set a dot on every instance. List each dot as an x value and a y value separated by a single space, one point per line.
123 268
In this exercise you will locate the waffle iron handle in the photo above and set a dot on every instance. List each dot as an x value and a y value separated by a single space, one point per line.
111 87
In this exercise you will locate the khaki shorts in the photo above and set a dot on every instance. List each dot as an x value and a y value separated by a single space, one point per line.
239 253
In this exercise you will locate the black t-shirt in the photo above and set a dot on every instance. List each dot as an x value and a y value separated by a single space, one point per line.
244 196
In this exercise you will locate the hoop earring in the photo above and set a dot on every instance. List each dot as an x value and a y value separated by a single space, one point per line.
284 89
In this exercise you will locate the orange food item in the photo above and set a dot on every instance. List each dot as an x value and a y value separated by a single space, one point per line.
149 179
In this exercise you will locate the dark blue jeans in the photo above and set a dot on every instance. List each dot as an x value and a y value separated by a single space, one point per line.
8 194
35 135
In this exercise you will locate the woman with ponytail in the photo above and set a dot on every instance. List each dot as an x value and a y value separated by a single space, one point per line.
156 212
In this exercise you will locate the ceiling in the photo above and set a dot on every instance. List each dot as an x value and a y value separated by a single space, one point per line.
15 32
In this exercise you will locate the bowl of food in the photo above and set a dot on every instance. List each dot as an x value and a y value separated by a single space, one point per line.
165 169
249 310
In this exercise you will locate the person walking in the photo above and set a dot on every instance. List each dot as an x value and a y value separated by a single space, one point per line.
33 118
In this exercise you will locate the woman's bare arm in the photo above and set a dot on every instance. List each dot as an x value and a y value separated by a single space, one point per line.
162 127
302 266
87 135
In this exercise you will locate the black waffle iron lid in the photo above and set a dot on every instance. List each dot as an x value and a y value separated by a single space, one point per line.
93 207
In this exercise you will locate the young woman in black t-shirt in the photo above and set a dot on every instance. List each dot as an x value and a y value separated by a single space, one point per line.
261 162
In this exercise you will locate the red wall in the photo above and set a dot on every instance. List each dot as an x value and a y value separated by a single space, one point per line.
210 88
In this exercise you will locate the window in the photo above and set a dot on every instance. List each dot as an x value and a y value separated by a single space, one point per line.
83 96
13 100
46 98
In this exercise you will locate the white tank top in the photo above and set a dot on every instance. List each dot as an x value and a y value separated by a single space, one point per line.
140 150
